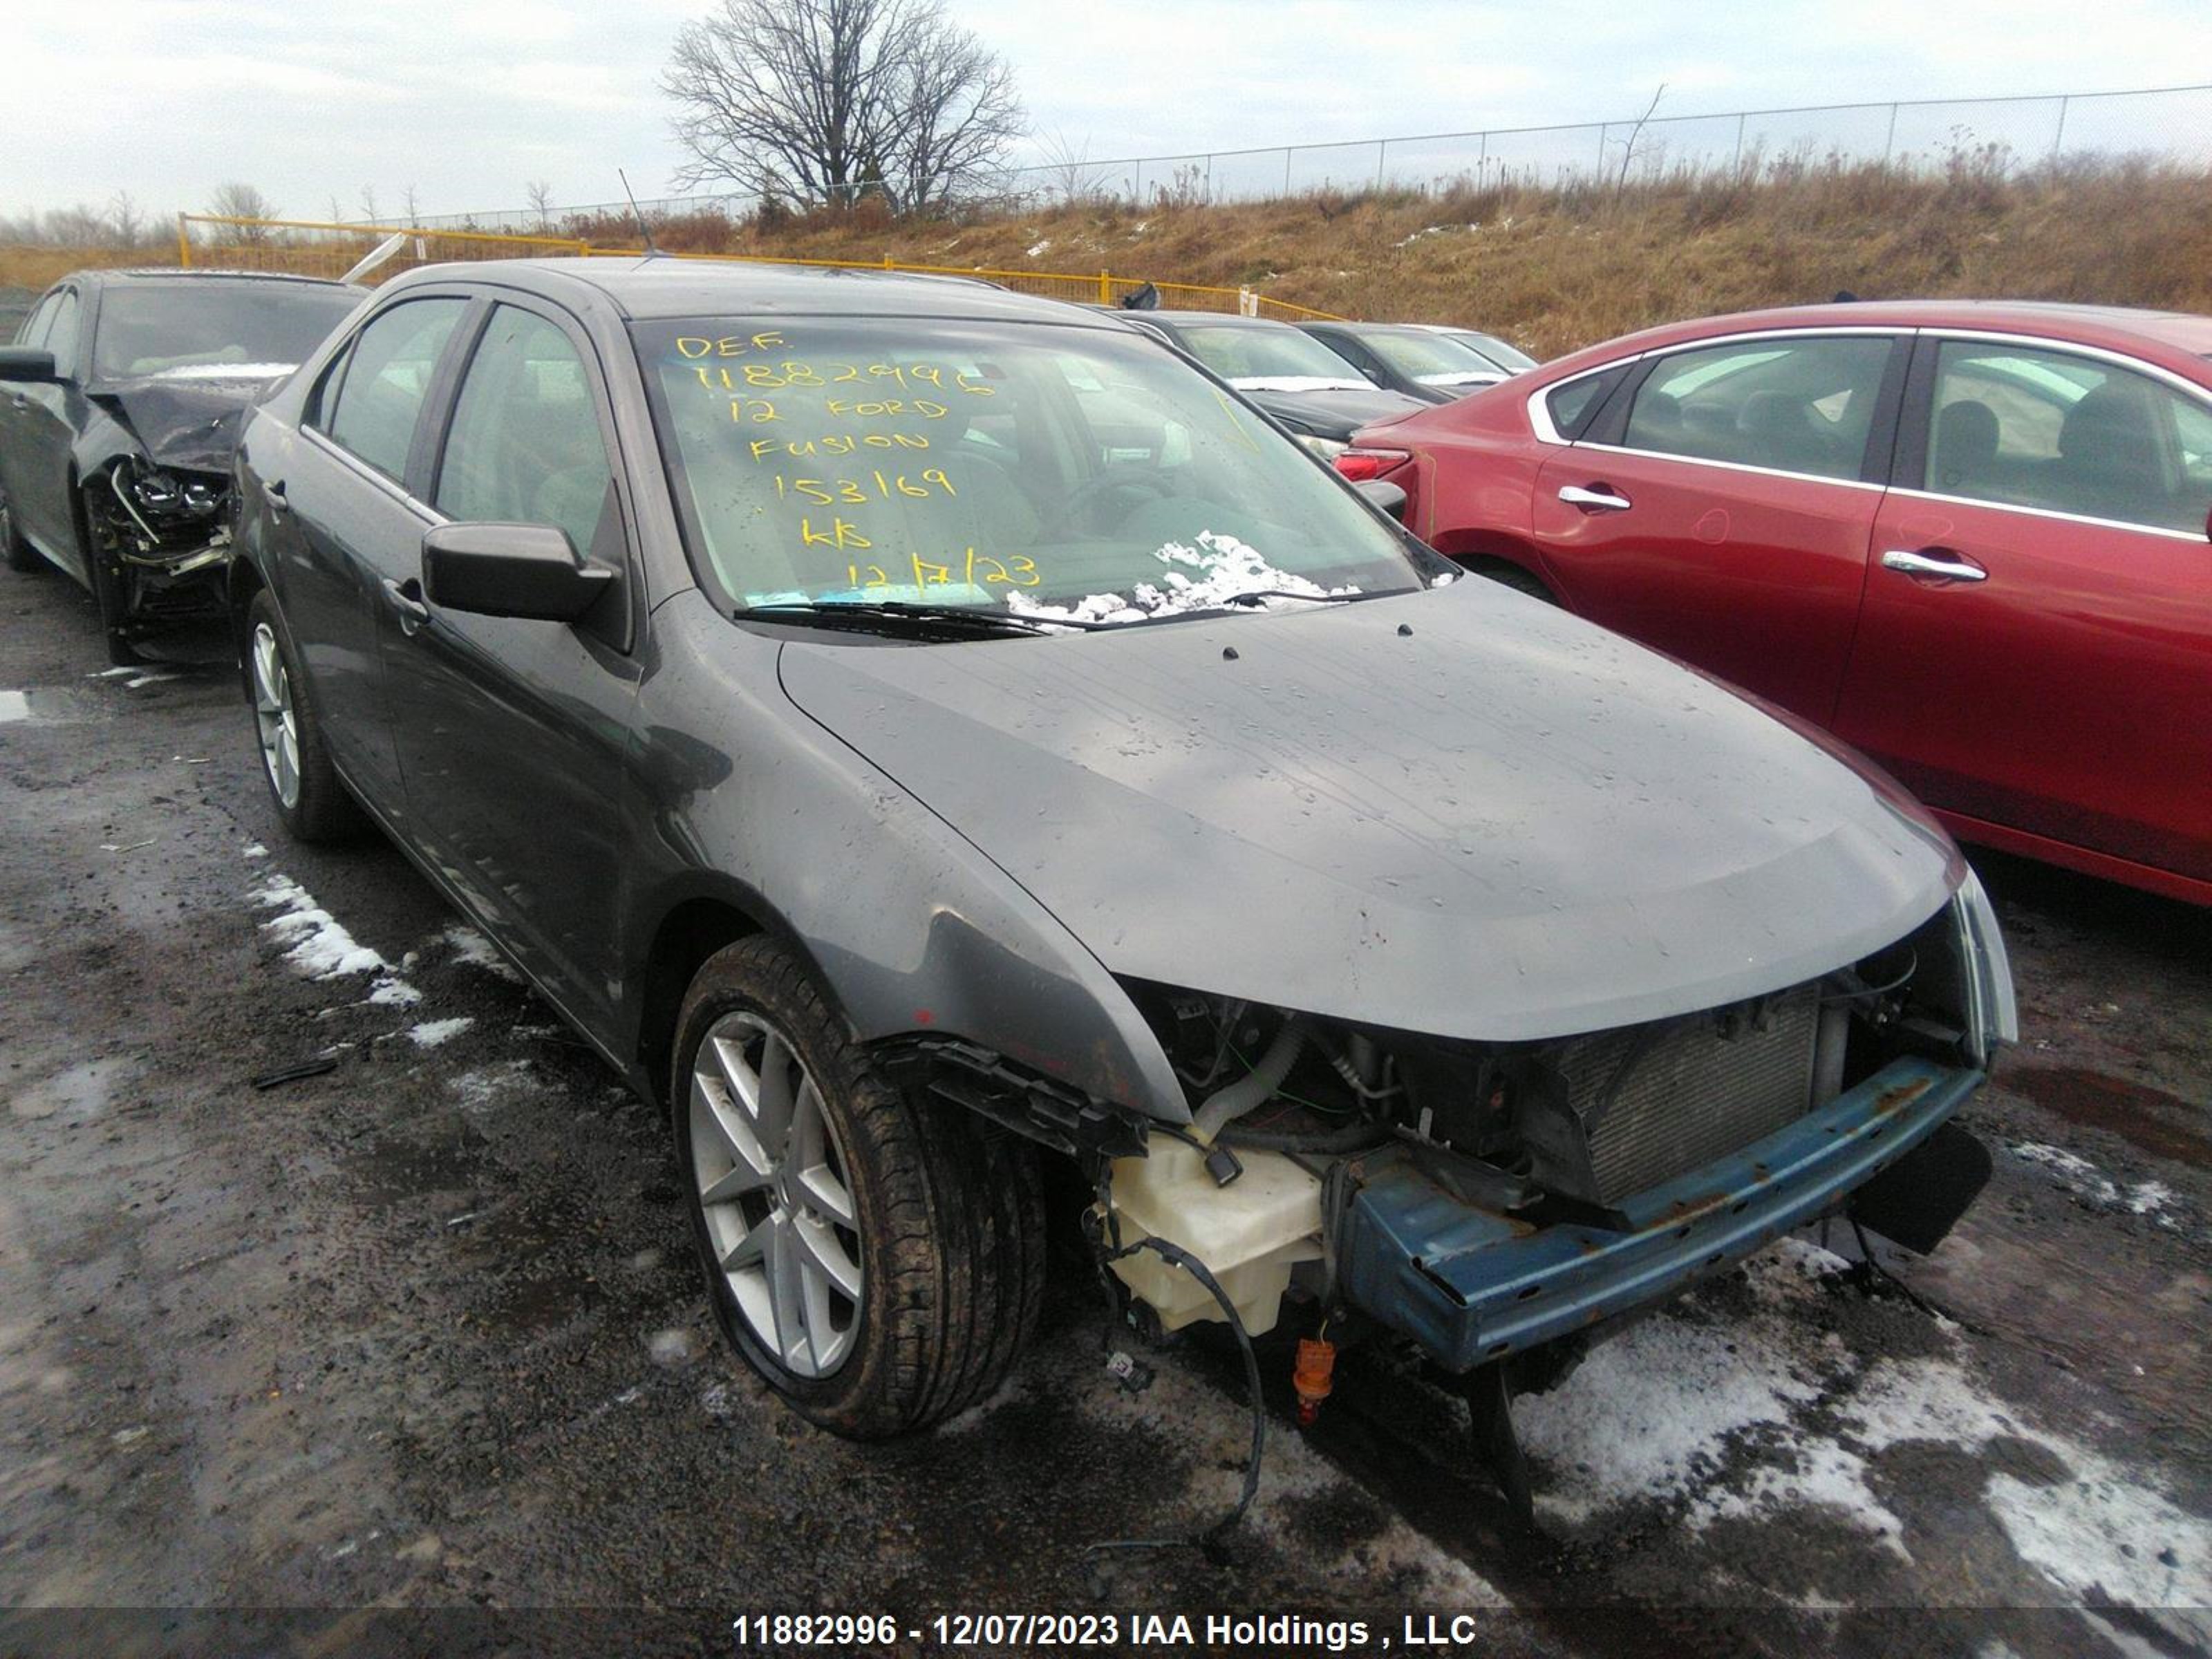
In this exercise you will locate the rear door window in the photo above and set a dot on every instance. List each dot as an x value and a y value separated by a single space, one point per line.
526 446
387 379
62 333
34 330
1573 404
1786 405
2021 427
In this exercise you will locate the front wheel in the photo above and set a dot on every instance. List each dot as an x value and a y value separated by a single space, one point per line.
18 553
876 1258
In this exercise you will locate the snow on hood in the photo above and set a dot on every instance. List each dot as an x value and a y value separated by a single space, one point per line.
1296 383
1463 377
1501 823
1201 578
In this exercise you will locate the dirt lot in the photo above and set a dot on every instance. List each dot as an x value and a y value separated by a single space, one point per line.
422 1333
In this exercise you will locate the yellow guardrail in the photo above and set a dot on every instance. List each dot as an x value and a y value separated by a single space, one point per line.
313 247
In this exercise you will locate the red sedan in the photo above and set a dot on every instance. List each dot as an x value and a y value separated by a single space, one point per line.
1970 538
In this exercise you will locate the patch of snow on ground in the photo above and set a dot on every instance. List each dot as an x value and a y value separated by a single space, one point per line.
1651 1413
1654 1413
2087 1180
1043 246
432 1032
255 850
471 947
1198 578
318 945
489 1086
393 993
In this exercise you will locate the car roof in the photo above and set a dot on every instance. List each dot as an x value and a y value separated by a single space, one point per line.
2117 327
140 276
654 288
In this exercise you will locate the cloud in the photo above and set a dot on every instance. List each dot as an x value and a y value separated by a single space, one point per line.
167 98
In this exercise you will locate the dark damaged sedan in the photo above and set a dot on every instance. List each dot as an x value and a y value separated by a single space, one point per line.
920 732
119 404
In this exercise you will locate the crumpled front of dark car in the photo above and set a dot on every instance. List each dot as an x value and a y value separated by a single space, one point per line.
164 535
1483 1198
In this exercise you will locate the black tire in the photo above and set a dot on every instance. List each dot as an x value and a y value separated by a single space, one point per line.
320 810
948 1215
105 572
18 553
1518 579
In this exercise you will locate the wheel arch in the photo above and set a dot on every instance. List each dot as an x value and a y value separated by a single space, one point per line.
1486 550
691 927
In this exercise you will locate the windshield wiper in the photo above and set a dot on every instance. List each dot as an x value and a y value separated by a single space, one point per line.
1258 596
861 612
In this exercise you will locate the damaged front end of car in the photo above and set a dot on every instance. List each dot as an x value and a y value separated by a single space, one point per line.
161 536
1480 1201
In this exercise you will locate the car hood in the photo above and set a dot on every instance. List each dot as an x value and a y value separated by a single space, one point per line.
1336 414
1460 811
190 418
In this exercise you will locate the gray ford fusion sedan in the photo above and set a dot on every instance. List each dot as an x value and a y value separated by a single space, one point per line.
921 732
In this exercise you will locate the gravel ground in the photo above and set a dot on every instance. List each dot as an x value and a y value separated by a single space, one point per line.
422 1333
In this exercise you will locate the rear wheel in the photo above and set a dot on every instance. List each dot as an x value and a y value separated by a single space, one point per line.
878 1259
302 784
19 554
1516 577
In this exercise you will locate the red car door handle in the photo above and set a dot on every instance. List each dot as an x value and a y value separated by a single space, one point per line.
1938 562
1595 498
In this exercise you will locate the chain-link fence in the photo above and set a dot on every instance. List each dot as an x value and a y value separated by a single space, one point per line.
375 254
2173 124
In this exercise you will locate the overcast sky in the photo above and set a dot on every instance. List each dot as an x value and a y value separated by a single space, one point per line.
465 102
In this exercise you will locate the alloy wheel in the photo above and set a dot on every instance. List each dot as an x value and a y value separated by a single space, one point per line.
772 1187
275 716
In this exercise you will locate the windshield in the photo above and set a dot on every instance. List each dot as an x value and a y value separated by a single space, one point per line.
261 327
1505 356
1081 473
1263 359
1431 359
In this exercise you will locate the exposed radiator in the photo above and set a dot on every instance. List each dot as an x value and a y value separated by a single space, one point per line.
1656 1100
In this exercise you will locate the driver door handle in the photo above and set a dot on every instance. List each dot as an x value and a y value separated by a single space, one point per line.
406 597
272 492
1939 562
21 402
1595 498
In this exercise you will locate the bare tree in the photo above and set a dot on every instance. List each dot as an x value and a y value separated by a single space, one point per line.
129 221
368 205
1070 173
242 201
1636 137
338 212
414 213
828 101
540 193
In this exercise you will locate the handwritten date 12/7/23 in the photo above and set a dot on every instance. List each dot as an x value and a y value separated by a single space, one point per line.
977 567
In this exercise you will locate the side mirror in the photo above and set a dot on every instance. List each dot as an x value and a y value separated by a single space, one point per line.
530 570
1381 492
26 363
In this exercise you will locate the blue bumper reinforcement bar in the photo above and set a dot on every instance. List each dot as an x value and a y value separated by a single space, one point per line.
1472 1285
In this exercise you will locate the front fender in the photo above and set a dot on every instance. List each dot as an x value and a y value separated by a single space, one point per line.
912 930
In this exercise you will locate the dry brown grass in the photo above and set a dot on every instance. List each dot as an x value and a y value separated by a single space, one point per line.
1555 267
35 267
